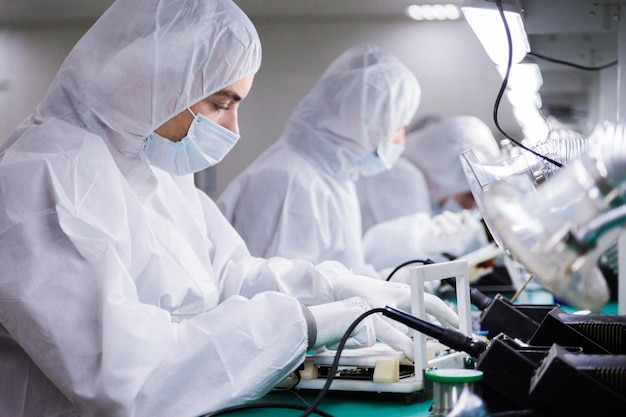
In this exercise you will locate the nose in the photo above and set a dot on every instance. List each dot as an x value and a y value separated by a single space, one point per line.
230 120
399 138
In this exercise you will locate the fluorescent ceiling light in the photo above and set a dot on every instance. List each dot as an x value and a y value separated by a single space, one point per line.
485 20
433 12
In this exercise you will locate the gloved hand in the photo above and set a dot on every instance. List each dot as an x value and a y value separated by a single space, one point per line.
460 232
333 319
379 293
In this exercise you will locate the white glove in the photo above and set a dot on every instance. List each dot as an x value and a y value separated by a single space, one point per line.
333 319
398 295
441 311
458 233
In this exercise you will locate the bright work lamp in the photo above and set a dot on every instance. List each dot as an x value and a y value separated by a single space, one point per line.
522 172
560 230
485 20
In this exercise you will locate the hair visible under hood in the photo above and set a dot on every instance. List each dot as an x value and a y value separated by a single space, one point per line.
145 61
363 97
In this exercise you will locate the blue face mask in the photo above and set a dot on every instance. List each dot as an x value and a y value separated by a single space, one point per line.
205 145
383 159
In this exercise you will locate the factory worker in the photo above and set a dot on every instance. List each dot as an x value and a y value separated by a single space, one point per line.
397 192
452 227
124 291
436 149
298 198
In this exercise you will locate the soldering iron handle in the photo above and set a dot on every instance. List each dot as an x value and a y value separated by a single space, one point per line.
479 299
413 322
448 336
459 341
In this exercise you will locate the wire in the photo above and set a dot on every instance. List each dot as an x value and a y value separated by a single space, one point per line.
402 265
263 405
572 64
522 288
335 365
505 81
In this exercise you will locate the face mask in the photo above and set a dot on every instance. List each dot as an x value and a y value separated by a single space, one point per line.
451 205
205 144
383 159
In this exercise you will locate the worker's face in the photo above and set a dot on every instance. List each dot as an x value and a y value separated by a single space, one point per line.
398 138
220 107
465 200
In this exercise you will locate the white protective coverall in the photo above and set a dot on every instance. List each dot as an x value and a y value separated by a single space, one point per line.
398 192
124 291
298 198
434 148
391 194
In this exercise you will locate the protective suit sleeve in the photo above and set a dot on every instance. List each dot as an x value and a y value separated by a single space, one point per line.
239 273
333 319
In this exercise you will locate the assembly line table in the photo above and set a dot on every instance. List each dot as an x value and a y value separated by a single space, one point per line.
361 404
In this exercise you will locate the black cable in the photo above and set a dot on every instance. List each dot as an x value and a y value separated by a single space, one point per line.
505 81
402 265
263 405
335 365
572 64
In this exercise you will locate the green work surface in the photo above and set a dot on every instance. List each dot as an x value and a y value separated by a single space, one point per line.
340 404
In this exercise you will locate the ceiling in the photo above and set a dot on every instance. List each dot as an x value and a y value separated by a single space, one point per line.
578 31
48 10
568 19
578 27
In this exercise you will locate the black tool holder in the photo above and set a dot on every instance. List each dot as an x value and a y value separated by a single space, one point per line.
571 384
595 333
545 324
507 368
499 315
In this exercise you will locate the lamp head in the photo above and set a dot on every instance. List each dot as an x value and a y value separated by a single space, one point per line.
485 20
537 228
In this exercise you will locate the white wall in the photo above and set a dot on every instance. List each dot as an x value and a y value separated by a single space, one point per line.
29 59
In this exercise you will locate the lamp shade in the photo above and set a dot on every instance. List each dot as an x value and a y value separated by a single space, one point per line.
485 20
536 228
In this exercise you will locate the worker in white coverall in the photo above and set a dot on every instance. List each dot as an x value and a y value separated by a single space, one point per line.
124 291
452 226
397 192
435 150
298 198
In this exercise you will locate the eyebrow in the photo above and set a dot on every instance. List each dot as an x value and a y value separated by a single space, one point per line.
229 94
